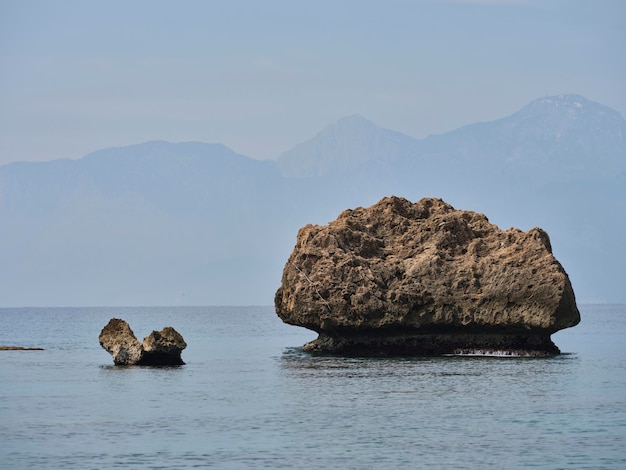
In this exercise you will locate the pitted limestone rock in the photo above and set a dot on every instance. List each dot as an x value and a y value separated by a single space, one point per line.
424 278
159 348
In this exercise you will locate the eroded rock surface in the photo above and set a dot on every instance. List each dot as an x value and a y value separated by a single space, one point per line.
425 278
163 347
159 348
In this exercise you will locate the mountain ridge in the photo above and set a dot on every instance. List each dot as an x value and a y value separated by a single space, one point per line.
145 224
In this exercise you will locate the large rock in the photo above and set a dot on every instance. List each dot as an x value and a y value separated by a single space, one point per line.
424 278
159 348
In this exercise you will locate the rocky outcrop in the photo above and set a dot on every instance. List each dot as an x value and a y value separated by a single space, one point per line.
159 348
163 347
425 278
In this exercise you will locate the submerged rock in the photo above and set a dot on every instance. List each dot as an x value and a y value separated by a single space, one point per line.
159 348
426 279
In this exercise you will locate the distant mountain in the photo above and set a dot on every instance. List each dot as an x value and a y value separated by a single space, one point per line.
184 176
552 137
344 146
193 223
151 223
555 137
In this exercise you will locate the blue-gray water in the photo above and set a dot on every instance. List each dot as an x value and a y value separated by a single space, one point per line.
248 397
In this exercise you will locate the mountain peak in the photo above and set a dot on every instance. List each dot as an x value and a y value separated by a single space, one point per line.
353 120
347 126
344 146
568 100
571 107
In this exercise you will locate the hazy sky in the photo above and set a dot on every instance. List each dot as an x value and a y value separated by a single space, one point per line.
262 76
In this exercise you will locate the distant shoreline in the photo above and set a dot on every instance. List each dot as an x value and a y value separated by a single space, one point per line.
19 348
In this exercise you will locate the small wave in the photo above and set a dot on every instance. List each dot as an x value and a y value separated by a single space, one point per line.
498 353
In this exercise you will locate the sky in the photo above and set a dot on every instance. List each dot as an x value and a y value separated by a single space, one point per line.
263 76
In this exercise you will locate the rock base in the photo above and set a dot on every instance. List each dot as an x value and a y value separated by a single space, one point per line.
435 344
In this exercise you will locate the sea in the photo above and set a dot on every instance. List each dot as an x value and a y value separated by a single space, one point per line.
249 397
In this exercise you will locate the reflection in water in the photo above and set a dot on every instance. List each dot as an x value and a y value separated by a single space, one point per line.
451 404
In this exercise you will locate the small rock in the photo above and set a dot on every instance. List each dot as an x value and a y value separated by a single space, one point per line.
159 348
163 347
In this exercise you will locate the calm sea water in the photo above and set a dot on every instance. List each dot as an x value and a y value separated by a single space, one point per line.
248 397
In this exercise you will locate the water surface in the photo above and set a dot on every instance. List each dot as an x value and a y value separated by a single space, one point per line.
248 397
